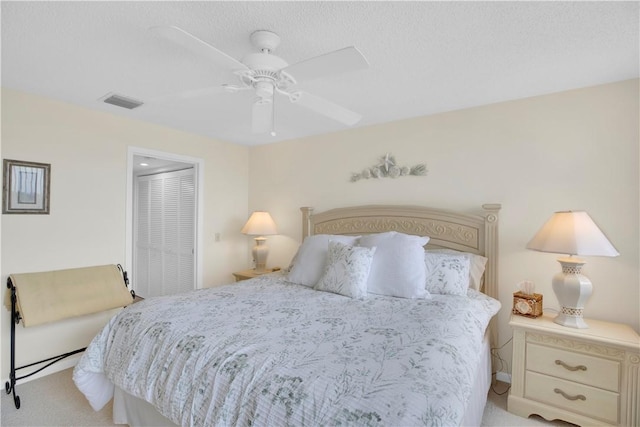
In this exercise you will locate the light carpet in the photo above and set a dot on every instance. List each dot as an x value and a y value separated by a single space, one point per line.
54 400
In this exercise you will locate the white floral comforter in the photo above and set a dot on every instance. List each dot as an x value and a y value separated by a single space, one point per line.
266 352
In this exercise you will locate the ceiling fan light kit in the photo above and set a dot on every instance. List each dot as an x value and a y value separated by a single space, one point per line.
264 90
268 74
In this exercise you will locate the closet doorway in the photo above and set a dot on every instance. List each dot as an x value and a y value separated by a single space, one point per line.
163 218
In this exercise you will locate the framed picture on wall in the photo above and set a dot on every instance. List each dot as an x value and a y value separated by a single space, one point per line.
25 188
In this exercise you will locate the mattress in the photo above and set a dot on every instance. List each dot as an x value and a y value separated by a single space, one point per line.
266 352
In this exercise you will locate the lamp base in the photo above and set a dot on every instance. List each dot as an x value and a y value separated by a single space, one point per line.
571 317
260 252
572 290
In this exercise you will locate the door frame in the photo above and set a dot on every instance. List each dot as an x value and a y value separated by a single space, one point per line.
198 165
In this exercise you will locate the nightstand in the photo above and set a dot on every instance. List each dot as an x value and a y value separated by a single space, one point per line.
583 376
250 274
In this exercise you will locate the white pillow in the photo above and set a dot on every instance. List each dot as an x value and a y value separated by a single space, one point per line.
347 270
447 274
398 267
476 269
309 262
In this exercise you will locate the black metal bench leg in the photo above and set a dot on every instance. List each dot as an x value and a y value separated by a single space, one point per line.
10 386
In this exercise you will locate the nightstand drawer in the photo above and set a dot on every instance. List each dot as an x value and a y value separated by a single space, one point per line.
578 398
590 370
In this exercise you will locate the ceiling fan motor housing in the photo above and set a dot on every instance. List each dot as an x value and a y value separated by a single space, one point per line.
264 61
263 73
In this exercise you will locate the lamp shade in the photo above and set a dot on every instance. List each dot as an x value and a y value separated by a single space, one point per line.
572 233
260 223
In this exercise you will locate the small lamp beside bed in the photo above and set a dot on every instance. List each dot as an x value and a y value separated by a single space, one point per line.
572 233
260 224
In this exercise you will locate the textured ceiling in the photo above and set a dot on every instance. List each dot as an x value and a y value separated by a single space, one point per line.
425 57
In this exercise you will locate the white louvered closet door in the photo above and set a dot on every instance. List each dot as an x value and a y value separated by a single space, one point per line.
165 233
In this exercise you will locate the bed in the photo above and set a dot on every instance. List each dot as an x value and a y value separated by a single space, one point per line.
345 336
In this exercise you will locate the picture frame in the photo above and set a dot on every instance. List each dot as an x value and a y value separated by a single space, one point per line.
25 187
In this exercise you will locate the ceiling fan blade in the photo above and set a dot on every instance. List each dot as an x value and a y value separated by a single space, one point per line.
338 61
262 116
198 46
198 93
212 90
325 107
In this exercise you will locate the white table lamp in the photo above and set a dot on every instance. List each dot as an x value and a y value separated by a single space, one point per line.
572 233
260 224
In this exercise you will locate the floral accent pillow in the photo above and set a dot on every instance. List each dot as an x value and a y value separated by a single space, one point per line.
347 270
477 265
447 274
309 262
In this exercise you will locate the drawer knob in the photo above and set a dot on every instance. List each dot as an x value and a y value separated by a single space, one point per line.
571 368
566 396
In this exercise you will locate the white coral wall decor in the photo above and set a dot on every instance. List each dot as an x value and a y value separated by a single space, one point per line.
388 168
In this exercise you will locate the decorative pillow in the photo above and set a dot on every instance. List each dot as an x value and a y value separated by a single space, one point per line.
476 268
398 267
347 270
309 262
447 273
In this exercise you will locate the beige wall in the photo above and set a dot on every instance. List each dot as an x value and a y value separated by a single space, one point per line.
571 150
87 151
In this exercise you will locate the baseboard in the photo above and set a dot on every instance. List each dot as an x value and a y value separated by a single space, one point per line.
503 377
66 363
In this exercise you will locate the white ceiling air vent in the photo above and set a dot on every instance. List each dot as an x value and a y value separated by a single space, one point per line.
121 101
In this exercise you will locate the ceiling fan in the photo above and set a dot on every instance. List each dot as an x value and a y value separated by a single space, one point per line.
268 74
